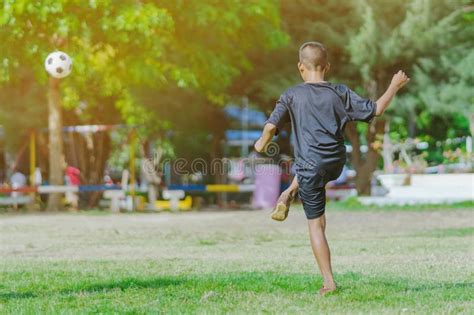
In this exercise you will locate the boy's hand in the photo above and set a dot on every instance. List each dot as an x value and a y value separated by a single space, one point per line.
259 146
399 80
268 132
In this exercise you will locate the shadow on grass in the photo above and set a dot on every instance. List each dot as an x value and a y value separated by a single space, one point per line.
125 284
16 295
352 286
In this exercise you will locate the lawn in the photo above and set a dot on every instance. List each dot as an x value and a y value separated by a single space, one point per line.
407 261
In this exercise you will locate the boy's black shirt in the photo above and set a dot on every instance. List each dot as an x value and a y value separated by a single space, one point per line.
318 113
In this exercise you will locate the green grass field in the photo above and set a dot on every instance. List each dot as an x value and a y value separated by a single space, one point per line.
407 261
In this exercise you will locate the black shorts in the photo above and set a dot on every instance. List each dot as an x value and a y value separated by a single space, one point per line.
312 187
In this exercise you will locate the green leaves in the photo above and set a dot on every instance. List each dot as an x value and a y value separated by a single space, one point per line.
447 84
383 43
363 46
119 45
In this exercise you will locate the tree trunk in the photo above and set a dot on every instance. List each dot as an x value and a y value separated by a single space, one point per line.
56 176
367 165
89 153
101 152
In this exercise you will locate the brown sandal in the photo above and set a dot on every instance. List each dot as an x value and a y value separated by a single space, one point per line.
280 213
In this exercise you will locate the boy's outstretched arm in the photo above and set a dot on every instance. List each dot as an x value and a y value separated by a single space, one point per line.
267 135
398 81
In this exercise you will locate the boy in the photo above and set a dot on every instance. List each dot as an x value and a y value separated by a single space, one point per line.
318 111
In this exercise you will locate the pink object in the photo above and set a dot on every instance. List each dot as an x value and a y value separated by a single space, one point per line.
73 174
267 186
237 170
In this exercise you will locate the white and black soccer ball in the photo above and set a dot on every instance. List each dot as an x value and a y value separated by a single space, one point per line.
58 64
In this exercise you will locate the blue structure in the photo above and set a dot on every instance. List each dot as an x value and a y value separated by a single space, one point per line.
253 117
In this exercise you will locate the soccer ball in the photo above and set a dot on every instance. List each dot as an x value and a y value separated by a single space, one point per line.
58 64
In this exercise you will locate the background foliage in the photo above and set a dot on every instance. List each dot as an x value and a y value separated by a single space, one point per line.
170 65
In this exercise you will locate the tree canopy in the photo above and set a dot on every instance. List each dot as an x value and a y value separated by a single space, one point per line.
119 45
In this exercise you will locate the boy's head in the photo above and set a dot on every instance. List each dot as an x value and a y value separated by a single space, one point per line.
313 57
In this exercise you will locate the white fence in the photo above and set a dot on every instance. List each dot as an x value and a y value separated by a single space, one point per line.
424 188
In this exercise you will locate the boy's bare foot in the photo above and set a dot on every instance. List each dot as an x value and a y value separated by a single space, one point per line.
325 290
280 213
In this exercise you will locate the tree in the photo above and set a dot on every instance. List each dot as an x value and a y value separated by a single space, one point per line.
382 46
96 35
444 84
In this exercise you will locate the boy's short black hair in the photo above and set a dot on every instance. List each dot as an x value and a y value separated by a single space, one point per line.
313 54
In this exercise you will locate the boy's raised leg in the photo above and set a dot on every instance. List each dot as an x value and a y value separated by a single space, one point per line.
319 244
280 213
